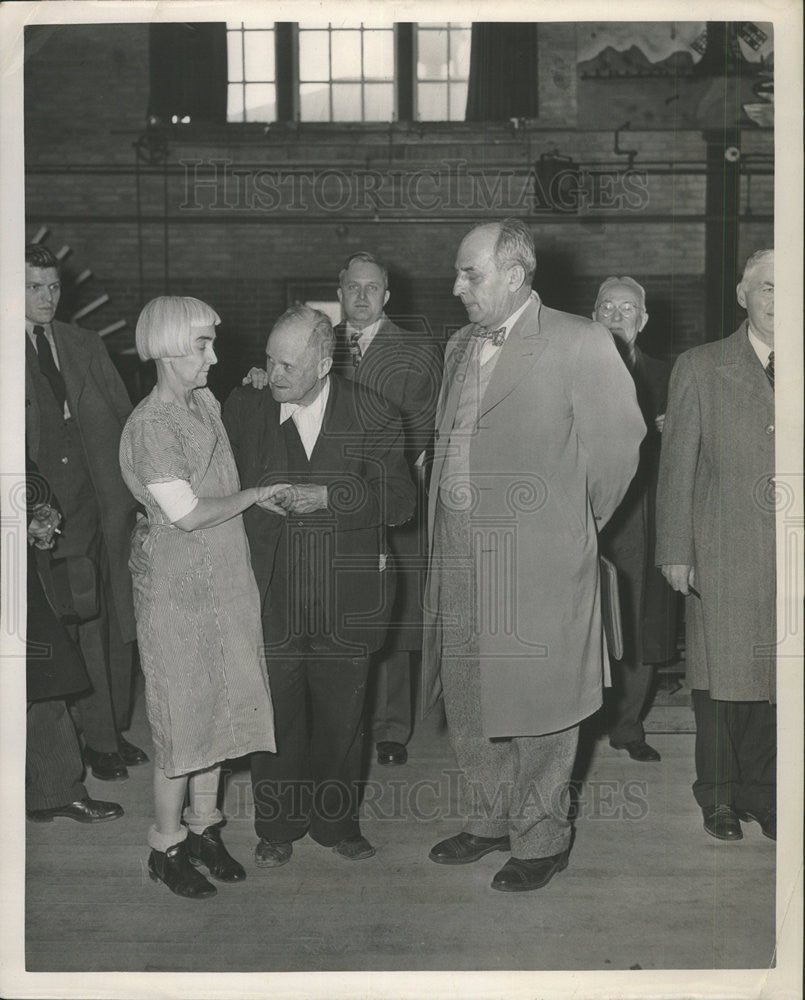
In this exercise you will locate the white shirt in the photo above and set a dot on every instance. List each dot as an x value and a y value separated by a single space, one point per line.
29 327
367 334
488 349
308 419
762 350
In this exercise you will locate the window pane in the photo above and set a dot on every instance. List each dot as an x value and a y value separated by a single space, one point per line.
378 102
234 102
314 102
259 48
346 55
346 102
432 102
458 101
431 55
234 56
261 102
314 58
378 55
460 54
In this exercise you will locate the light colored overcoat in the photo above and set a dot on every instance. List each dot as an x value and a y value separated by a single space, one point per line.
716 512
556 445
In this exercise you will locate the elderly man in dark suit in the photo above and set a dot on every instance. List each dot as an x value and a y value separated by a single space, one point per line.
716 545
647 603
537 438
334 450
53 765
75 409
405 368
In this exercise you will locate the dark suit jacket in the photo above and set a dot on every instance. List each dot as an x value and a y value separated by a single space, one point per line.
628 539
100 405
405 368
319 574
54 667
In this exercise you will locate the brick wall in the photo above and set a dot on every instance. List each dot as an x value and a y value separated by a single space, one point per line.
235 214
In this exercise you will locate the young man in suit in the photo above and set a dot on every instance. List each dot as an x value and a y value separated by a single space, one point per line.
537 438
335 453
75 409
647 603
716 545
405 368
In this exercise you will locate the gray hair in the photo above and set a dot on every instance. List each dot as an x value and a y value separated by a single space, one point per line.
322 336
165 325
366 258
515 245
755 260
613 280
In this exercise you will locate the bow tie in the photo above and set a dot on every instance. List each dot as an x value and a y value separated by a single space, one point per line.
496 336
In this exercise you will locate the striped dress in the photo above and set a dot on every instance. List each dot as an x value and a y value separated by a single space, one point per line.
195 599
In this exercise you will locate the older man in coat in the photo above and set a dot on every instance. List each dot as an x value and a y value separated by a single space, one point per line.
75 408
716 545
538 435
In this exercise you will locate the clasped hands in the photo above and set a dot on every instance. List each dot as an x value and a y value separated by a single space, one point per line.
292 498
43 526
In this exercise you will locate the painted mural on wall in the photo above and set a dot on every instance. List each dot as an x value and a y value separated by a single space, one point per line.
671 74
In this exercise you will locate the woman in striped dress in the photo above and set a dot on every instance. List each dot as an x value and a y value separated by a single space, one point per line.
196 601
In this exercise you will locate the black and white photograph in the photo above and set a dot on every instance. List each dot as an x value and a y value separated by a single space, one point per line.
402 500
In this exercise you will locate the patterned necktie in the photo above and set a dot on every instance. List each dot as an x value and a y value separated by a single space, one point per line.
355 348
496 336
769 369
47 365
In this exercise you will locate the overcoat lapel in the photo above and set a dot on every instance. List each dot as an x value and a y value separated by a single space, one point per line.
74 361
524 345
32 416
458 362
741 365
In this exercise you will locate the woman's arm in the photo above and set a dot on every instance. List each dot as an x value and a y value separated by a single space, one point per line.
210 511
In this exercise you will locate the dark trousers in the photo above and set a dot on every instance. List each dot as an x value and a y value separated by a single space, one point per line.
631 683
391 696
104 711
53 765
311 782
736 753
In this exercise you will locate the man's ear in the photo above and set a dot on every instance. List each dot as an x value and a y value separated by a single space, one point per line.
643 322
386 297
340 295
741 295
516 277
324 366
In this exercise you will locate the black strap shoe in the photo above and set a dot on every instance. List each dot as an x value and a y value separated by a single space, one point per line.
207 849
106 766
174 869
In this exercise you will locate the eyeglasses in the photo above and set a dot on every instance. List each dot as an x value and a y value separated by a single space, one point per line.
626 309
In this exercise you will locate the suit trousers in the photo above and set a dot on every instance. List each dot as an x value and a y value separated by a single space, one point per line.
104 711
312 781
391 708
53 765
520 785
736 753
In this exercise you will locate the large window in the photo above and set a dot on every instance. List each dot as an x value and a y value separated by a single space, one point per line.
348 74
442 71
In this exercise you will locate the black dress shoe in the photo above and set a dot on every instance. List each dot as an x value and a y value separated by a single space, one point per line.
174 869
85 810
638 750
524 874
354 848
767 818
391 753
465 848
722 823
207 849
131 754
106 766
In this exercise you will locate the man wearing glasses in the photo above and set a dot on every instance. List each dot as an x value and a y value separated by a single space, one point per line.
647 603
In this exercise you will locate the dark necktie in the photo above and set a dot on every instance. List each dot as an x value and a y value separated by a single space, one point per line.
47 365
496 336
769 369
355 348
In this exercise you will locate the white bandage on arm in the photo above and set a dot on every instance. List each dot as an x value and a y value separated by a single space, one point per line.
176 498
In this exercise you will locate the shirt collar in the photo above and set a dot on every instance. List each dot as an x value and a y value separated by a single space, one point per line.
313 410
509 323
758 346
368 333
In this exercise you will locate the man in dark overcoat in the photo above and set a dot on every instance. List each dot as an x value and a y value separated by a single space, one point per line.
336 458
716 545
405 368
75 409
647 602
